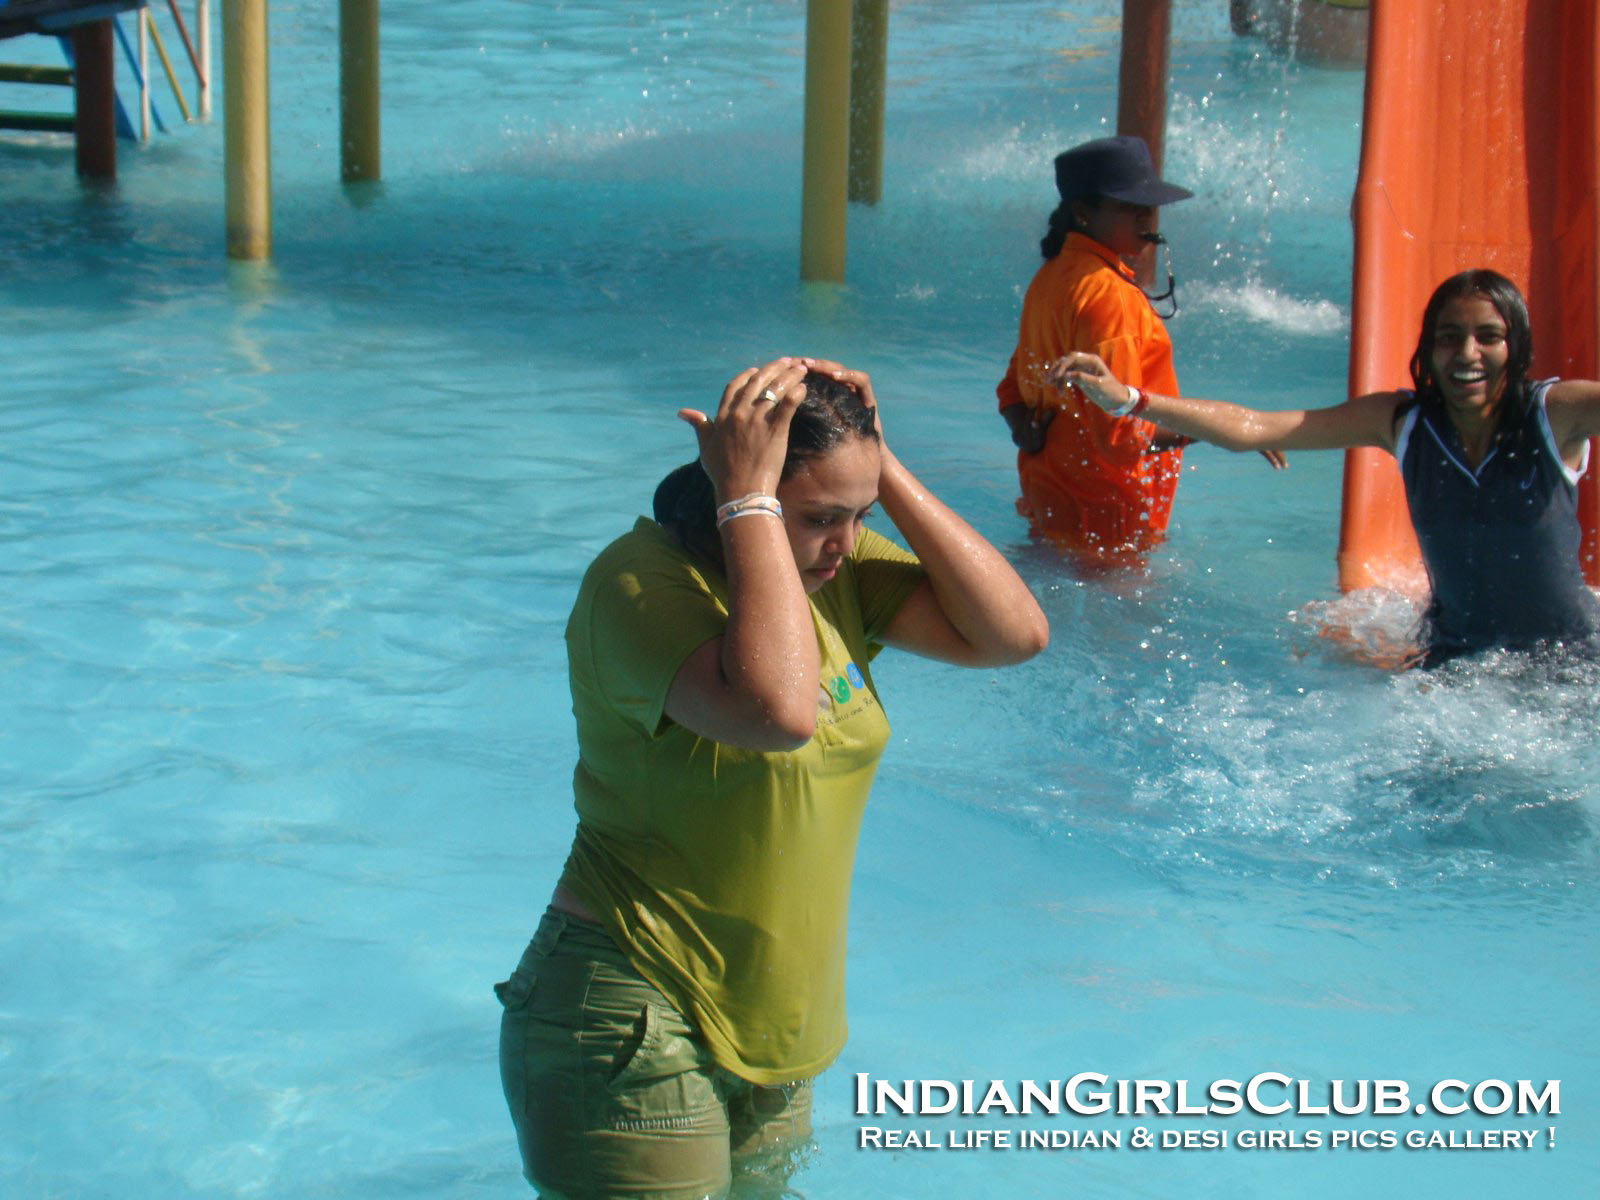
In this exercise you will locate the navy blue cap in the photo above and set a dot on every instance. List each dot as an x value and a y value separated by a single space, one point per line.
1118 167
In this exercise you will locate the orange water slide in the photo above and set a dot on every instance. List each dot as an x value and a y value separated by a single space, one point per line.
1480 147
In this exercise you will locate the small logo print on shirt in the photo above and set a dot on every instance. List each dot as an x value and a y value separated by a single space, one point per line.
840 688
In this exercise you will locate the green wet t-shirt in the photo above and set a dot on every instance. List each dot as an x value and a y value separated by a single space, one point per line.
724 873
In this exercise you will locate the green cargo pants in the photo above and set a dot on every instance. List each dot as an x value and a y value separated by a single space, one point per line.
613 1094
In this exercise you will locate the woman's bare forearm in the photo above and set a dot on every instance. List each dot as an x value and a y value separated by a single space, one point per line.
985 602
1363 421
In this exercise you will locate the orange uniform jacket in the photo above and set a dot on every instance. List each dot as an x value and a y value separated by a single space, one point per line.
1094 486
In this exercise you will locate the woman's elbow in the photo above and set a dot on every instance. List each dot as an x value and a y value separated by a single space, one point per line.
1031 638
1022 640
789 726
1038 638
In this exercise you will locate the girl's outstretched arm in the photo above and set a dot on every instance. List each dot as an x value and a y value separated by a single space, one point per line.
1364 421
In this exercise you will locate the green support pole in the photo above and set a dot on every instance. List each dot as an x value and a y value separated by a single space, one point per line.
359 143
827 141
246 129
868 66
95 99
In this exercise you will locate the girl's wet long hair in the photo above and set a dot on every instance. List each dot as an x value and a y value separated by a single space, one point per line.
831 414
1513 309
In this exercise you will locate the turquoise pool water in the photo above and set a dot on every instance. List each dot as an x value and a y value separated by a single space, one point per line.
285 750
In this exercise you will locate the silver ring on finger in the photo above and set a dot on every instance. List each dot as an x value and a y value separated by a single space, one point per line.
768 396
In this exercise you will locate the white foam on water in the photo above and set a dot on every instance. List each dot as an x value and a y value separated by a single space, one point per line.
1265 306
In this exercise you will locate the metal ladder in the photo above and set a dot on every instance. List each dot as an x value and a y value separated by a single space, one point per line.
136 54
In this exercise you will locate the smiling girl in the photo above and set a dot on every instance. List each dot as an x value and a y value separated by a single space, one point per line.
1490 461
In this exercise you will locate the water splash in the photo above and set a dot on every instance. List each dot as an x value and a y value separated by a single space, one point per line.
1270 307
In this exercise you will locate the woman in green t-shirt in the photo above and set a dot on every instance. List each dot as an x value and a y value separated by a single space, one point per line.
688 979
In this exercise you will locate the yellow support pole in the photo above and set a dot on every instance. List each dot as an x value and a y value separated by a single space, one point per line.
246 129
166 63
827 141
359 144
868 64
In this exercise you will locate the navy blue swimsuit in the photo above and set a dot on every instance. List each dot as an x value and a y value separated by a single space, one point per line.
1500 542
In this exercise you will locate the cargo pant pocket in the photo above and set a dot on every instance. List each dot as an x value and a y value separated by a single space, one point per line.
663 1077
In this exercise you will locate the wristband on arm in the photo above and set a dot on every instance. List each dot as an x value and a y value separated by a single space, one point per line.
1136 403
748 506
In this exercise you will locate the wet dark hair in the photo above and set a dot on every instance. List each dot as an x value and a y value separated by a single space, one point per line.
1513 309
831 414
1062 222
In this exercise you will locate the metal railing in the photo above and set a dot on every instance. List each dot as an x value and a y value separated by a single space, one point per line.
198 50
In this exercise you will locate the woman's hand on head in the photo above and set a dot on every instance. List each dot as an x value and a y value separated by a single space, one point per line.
1094 381
744 447
857 380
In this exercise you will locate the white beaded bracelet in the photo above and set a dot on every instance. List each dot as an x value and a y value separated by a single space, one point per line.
746 506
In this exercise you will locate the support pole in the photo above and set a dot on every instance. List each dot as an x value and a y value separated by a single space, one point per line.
142 16
1142 82
202 33
95 99
246 129
359 144
166 65
868 65
827 141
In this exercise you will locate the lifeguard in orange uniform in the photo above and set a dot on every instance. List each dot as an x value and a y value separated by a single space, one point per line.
1099 484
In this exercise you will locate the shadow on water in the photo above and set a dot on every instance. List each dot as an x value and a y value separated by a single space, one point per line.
1494 809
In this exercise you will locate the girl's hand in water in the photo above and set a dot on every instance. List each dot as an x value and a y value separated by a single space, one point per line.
743 449
1092 378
